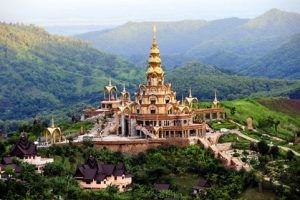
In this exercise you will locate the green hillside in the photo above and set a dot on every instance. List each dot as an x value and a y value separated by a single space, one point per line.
283 62
204 80
255 108
229 43
42 72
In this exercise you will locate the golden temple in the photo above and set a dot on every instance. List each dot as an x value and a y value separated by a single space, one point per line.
155 111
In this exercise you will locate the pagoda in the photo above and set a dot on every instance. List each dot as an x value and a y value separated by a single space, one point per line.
155 112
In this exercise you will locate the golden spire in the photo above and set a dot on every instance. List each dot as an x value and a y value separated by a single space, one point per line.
154 61
154 35
109 81
182 100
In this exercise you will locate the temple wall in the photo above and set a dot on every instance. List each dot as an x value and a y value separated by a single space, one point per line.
121 183
136 146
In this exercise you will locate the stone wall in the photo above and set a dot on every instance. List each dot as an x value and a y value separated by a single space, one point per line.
141 145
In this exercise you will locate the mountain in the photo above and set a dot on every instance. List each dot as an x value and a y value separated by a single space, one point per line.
283 62
229 43
205 79
42 72
75 29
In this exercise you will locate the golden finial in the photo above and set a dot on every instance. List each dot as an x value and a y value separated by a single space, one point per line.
154 34
182 99
190 95
109 81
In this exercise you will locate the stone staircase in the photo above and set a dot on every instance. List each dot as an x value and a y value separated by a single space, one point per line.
145 131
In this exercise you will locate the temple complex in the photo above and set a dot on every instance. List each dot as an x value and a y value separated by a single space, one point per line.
27 152
155 112
99 175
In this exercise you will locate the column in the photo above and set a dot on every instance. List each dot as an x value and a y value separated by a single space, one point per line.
210 115
218 115
123 124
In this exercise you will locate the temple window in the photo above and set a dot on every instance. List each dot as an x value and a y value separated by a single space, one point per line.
98 182
137 111
140 101
116 178
159 83
104 182
149 82
88 182
152 101
152 111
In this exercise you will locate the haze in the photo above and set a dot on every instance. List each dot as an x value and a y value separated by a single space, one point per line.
113 12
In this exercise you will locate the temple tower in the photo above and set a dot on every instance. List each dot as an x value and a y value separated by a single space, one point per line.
155 73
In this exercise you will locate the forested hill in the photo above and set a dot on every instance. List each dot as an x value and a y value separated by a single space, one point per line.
43 72
204 80
228 43
283 62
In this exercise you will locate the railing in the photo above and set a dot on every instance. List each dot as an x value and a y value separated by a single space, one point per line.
144 130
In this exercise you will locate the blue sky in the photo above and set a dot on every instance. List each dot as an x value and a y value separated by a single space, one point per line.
113 12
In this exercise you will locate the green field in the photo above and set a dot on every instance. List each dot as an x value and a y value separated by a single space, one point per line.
245 108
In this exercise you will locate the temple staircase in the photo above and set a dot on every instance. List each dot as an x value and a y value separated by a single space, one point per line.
145 131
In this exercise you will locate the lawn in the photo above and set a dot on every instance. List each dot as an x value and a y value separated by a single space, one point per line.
245 108
253 194
222 124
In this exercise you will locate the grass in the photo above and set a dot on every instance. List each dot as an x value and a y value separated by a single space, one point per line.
252 193
231 137
251 107
223 124
237 142
75 128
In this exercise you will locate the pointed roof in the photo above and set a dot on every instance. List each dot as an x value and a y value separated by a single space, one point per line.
216 102
23 147
154 61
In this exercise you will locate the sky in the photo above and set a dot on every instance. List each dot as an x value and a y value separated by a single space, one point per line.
115 12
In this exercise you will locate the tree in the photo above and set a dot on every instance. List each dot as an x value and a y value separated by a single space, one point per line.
290 155
276 124
274 151
252 146
232 110
54 169
262 147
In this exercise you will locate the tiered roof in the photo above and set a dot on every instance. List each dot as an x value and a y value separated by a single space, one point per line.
23 148
98 171
8 162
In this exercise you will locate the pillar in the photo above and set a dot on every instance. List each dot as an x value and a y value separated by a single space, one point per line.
210 115
123 124
218 115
